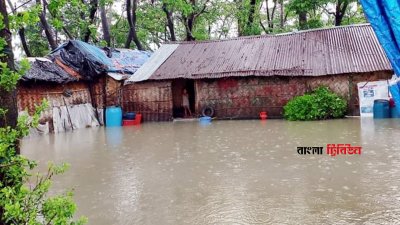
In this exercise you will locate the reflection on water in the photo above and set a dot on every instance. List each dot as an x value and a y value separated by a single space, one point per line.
230 172
114 136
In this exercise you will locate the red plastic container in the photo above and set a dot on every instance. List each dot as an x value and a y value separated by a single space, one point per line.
263 115
138 118
136 121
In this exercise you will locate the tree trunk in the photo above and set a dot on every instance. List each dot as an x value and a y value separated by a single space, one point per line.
46 27
303 20
7 98
189 24
21 32
104 24
66 31
341 7
93 9
132 25
271 20
252 11
170 22
282 18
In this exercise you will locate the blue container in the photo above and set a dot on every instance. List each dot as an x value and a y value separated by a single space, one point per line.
129 115
113 116
381 109
394 113
205 119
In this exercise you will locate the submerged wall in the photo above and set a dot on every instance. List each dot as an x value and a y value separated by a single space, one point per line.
66 113
247 97
153 99
241 97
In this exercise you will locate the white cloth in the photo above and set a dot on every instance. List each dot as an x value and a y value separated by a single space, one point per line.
185 100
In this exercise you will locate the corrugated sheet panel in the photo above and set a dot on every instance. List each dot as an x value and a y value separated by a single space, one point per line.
148 68
339 50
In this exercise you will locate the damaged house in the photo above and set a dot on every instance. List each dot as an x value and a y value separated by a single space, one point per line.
240 77
78 80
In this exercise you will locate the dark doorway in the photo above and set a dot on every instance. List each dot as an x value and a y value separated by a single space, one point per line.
177 91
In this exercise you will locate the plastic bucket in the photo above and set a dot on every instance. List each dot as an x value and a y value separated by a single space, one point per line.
263 115
129 115
205 119
381 109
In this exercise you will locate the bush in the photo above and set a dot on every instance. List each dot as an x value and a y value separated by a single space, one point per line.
318 105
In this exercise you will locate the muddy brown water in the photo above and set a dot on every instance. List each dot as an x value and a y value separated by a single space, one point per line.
229 172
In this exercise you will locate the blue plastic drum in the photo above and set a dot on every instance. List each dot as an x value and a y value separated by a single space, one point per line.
381 109
113 116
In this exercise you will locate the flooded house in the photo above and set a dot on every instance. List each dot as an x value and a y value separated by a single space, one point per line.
78 80
241 77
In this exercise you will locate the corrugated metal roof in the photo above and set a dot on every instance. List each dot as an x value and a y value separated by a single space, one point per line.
338 50
148 68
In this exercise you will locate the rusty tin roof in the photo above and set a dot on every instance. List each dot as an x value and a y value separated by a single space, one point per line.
338 50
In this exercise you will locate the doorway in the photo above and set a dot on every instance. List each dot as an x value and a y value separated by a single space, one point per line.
177 91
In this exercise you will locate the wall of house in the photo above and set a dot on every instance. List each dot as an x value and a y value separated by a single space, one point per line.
242 97
106 92
153 99
30 94
247 97
99 94
346 86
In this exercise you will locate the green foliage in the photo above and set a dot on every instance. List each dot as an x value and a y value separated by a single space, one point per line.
318 105
23 202
218 20
244 9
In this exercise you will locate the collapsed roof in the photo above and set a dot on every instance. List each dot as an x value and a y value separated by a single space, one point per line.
77 60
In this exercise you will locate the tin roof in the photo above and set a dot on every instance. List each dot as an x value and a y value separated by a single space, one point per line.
328 51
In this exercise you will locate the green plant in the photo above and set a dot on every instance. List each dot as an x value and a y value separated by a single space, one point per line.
21 200
24 196
318 105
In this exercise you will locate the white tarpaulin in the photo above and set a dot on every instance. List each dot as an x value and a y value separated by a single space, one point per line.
74 117
368 92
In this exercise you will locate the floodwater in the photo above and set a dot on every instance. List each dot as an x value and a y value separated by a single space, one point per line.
229 172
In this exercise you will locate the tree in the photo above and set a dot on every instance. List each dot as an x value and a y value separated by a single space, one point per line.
104 24
131 7
308 12
170 22
93 9
7 78
19 203
248 17
46 26
21 31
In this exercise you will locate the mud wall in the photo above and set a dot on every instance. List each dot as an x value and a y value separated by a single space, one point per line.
247 97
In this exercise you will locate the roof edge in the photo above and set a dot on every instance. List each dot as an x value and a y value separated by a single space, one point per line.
267 35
